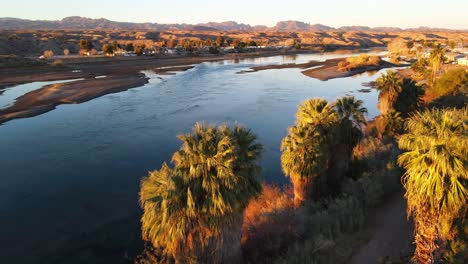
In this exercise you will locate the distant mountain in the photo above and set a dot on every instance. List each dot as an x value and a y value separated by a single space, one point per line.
76 22
227 26
298 26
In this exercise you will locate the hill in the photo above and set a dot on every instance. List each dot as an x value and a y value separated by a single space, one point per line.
84 23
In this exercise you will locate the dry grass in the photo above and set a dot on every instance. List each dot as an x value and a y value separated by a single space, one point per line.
269 221
356 62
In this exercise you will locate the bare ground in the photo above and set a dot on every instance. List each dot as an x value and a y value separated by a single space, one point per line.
392 234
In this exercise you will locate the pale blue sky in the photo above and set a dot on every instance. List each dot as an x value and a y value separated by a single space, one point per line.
401 13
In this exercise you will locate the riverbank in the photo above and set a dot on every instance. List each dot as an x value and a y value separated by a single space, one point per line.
330 71
48 97
324 70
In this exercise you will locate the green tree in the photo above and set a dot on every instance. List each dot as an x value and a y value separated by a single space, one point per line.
306 149
389 85
195 210
436 177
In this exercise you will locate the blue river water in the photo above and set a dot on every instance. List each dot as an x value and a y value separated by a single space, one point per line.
70 177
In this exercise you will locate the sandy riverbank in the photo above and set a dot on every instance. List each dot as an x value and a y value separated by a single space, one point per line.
48 97
330 71
323 70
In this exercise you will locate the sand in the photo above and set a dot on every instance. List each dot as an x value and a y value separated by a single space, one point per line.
48 97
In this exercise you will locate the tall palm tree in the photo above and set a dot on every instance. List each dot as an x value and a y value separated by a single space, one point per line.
437 57
195 210
389 85
436 176
306 148
351 115
304 159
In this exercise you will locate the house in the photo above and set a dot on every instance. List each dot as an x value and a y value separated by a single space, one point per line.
463 61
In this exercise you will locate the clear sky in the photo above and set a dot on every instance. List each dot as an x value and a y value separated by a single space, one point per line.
400 13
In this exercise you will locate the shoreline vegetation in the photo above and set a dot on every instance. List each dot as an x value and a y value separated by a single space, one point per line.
120 74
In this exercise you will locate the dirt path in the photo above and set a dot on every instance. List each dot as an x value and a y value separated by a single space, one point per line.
392 233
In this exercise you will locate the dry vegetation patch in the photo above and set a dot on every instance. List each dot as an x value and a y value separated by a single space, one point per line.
364 60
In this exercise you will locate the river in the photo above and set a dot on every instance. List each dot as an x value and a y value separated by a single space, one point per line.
70 177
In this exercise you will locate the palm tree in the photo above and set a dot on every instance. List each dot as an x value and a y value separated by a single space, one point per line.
306 148
436 177
195 210
316 112
304 159
409 99
348 108
436 57
389 85
390 124
351 115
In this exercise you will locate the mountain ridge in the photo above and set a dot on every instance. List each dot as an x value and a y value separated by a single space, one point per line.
78 22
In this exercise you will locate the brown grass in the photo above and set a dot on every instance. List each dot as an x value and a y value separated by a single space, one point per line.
356 62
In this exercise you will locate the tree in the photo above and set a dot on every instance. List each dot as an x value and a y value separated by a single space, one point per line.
220 41
139 49
172 43
437 58
436 177
129 47
390 124
115 46
48 54
237 43
451 44
409 99
252 43
348 108
306 149
86 44
410 44
389 85
107 49
187 45
351 118
194 211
